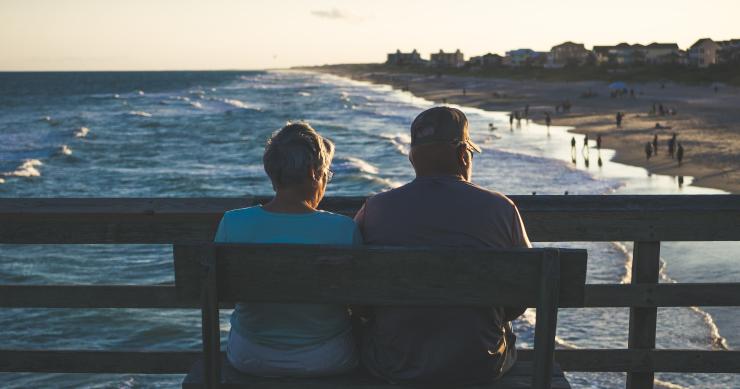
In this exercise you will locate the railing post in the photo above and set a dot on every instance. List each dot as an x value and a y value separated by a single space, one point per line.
645 270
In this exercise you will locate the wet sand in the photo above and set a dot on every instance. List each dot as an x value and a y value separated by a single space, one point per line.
707 122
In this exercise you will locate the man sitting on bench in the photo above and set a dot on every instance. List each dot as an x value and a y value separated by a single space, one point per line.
441 207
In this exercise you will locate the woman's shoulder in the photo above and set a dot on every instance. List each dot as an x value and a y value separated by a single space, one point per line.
334 218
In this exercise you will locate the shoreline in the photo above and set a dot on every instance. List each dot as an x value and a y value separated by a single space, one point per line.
707 122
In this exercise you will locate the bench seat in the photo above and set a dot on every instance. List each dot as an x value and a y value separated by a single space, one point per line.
519 377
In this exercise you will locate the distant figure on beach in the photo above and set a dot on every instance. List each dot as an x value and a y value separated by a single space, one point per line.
465 92
491 127
446 346
679 153
672 145
653 110
518 118
661 110
444 100
680 181
598 142
526 111
573 149
658 126
548 119
618 118
557 108
511 119
292 339
655 144
584 151
648 150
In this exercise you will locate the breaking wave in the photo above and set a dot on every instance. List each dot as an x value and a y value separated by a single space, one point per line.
65 150
27 169
81 132
140 113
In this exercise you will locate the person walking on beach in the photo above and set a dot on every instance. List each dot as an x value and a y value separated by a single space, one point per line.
511 119
672 145
548 120
619 117
655 144
518 118
679 153
279 340
598 142
526 111
440 346
573 149
584 150
648 150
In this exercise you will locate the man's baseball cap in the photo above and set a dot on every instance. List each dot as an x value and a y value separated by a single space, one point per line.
441 125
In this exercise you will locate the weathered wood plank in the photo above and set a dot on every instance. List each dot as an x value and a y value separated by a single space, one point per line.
518 378
376 275
548 218
663 295
165 296
180 362
546 319
645 270
87 361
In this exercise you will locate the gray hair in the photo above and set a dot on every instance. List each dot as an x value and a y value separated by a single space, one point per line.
294 151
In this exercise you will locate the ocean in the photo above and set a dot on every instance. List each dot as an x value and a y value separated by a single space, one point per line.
187 134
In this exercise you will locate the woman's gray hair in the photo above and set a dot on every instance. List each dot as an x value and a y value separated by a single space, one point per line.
294 151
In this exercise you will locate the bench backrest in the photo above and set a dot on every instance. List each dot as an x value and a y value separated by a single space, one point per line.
376 275
542 278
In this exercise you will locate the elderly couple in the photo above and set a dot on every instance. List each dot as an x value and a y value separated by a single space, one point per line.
440 207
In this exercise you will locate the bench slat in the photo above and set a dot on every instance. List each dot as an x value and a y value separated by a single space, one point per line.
518 378
377 275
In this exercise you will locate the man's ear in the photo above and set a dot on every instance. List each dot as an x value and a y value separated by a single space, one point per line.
463 157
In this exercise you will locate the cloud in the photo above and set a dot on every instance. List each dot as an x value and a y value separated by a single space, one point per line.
333 13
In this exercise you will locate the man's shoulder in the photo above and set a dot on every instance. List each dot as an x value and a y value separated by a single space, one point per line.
487 195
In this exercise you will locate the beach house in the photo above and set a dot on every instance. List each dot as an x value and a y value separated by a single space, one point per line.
485 61
729 52
448 60
661 53
567 53
525 57
399 58
703 53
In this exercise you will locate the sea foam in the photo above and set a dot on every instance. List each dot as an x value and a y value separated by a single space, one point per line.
65 150
27 169
140 113
81 132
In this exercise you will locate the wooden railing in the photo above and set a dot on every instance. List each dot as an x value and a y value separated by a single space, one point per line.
645 220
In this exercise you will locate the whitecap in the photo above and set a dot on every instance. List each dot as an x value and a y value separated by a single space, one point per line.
304 94
116 96
2 180
46 118
196 104
27 169
81 132
402 142
140 113
236 103
140 92
65 150
354 163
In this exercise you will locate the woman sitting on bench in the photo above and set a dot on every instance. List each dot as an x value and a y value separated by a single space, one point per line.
294 340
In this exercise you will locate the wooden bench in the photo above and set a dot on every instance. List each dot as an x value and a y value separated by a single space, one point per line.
218 274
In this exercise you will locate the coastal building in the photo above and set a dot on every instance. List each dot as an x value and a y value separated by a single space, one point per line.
485 61
448 60
661 53
729 51
568 53
703 53
525 57
400 59
601 54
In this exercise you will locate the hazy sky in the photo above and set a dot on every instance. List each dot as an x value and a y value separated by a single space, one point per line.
230 34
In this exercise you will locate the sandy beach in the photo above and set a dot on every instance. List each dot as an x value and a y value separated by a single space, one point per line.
706 121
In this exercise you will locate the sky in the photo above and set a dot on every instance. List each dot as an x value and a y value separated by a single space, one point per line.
256 34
